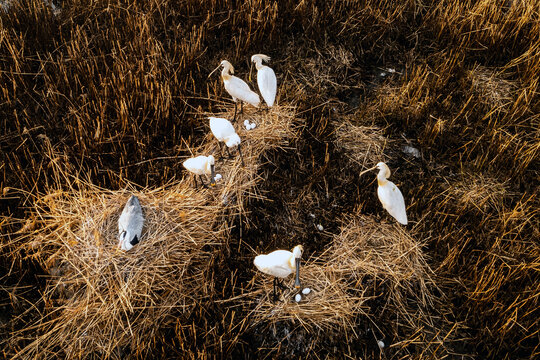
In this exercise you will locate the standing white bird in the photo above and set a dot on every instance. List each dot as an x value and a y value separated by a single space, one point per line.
266 79
237 88
130 224
201 165
389 195
224 131
280 264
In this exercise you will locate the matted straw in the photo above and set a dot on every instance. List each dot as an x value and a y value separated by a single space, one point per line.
384 251
101 301
364 145
332 305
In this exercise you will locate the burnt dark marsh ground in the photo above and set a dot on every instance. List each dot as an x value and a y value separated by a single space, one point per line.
102 98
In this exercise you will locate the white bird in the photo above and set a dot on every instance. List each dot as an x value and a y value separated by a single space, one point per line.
236 87
130 224
266 79
389 195
224 131
201 165
280 264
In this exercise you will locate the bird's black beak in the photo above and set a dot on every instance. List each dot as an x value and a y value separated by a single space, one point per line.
297 280
213 174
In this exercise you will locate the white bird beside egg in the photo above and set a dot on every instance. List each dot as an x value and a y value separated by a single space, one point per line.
130 224
224 131
281 264
201 165
266 79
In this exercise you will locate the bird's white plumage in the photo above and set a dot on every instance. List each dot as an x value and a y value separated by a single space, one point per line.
277 263
200 165
130 224
266 79
239 90
224 131
236 87
390 195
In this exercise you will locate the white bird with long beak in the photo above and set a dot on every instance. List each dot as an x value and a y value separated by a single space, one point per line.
280 264
224 131
201 165
236 87
130 224
266 79
389 194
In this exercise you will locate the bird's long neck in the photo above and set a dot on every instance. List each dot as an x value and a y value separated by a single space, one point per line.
258 64
225 73
381 177
292 263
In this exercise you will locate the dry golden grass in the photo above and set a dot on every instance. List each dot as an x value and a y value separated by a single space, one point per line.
100 299
364 259
475 192
332 306
111 92
364 145
103 301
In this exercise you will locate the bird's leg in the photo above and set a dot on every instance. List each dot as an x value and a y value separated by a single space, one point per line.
235 107
274 296
203 184
241 157
195 178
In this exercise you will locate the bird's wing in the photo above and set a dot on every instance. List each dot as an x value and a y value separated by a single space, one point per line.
275 263
393 201
221 128
266 79
194 165
240 90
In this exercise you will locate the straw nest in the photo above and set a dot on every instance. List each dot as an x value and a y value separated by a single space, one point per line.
381 251
361 143
476 192
332 304
274 130
365 258
101 301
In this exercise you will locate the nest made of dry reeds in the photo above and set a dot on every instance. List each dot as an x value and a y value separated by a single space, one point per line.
365 258
364 145
332 305
101 300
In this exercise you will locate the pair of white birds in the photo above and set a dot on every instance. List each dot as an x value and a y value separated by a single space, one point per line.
240 90
224 131
280 263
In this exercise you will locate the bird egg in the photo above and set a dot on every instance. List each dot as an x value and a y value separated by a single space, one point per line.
306 291
298 297
381 344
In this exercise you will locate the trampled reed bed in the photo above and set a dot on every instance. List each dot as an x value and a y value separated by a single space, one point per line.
116 92
101 301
